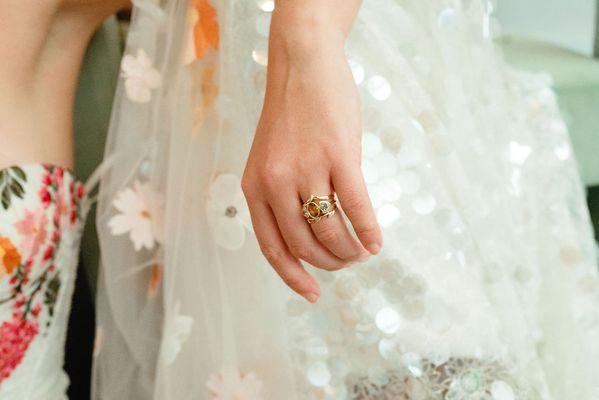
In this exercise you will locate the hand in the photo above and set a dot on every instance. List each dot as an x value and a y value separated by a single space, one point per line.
308 141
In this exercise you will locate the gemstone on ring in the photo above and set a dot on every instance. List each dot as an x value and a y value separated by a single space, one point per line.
318 207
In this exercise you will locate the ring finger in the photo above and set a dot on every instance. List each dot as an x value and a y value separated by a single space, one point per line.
332 231
299 238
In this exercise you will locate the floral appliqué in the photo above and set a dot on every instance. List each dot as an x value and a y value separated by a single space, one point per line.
205 29
27 263
140 76
140 215
227 212
177 329
232 384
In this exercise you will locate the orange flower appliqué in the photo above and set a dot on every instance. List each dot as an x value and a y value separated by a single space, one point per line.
155 279
9 257
205 32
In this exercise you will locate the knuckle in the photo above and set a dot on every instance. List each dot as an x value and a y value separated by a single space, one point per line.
291 280
333 267
370 231
300 250
327 235
273 254
273 175
354 201
247 186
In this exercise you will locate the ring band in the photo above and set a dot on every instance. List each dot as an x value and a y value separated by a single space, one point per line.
318 207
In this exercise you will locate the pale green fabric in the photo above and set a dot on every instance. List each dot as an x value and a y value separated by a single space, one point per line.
93 106
576 79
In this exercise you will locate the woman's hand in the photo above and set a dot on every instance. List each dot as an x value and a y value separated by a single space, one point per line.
307 142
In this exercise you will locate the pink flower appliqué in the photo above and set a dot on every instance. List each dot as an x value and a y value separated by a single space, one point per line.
232 384
32 229
140 76
141 215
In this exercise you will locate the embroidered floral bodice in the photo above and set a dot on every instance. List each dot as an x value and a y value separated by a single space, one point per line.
41 217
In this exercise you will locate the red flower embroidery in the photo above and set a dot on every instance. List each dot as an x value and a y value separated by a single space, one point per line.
15 337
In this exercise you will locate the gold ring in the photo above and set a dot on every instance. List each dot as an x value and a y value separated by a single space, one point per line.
318 207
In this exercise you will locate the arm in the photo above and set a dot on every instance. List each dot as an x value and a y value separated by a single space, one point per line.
308 141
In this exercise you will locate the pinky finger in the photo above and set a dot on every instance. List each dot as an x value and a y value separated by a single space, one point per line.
278 255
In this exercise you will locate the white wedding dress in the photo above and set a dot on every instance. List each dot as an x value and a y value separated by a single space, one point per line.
486 287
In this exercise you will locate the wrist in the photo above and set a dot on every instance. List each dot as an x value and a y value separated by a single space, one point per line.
302 36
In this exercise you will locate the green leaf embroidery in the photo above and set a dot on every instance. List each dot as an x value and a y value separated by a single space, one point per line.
19 173
11 183
5 198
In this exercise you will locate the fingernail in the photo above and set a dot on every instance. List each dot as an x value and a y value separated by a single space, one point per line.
311 297
373 248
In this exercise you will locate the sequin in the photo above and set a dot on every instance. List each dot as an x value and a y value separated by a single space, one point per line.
412 308
296 307
387 214
448 20
371 145
562 150
387 320
145 169
413 363
338 367
390 190
347 287
318 374
378 376
391 270
348 316
522 274
357 71
518 153
367 333
424 204
316 347
413 285
492 272
441 144
446 219
391 136
371 119
379 88
428 120
260 55
500 390
369 172
386 164
409 182
266 5
389 348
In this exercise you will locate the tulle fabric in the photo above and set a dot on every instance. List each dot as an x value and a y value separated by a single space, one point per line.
488 263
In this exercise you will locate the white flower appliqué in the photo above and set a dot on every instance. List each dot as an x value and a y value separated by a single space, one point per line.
176 331
141 215
227 212
232 384
140 76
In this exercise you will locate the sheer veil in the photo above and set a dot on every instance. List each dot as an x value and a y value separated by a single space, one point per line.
174 311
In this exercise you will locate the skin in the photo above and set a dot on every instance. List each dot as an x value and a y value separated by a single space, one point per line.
308 141
42 43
